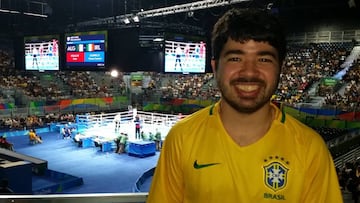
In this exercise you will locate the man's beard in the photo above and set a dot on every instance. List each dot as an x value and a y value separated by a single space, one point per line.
257 103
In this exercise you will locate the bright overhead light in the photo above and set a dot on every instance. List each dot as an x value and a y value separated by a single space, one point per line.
4 10
136 19
126 21
114 73
158 39
9 11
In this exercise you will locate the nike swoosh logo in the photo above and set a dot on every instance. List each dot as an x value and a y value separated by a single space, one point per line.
199 166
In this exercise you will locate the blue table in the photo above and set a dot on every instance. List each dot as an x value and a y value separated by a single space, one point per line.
87 142
107 146
142 148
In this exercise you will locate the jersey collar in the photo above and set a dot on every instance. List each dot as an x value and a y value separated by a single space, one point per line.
283 115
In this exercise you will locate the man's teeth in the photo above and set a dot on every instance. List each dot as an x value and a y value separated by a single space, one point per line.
247 88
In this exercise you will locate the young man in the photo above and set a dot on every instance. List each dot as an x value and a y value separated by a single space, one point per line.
34 137
6 144
117 121
243 148
137 122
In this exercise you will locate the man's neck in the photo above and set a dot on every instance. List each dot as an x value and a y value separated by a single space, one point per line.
246 128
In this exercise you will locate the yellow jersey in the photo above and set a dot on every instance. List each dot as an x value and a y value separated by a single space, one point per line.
200 163
32 135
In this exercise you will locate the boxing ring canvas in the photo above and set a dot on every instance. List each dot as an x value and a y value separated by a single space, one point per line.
105 128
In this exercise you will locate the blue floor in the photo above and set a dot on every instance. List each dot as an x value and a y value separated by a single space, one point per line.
102 172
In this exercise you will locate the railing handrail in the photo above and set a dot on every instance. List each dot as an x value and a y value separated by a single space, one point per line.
77 198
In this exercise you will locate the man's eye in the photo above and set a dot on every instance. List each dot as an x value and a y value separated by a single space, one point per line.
265 60
234 59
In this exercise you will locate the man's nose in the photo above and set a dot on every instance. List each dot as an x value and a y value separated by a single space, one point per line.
249 67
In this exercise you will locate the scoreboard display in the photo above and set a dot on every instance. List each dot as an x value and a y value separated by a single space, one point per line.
41 52
86 49
184 54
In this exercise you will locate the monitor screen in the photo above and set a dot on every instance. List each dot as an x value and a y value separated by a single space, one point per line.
86 49
184 54
41 52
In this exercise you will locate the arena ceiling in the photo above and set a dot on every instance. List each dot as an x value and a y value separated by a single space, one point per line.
63 15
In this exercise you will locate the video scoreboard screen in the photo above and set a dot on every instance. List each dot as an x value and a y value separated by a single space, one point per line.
86 49
41 52
184 54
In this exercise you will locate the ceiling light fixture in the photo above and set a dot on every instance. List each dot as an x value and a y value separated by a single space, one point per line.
36 15
126 21
9 11
136 19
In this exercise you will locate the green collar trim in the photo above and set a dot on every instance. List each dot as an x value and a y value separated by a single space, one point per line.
283 117
211 111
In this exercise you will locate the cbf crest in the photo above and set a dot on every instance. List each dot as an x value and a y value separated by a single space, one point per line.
275 176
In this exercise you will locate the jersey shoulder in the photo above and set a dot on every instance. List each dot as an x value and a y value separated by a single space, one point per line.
302 132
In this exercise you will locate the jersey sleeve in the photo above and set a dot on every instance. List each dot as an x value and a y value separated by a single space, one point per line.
167 184
322 184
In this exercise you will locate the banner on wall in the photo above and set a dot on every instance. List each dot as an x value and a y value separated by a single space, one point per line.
329 81
136 79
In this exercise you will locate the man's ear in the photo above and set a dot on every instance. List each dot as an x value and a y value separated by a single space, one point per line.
213 65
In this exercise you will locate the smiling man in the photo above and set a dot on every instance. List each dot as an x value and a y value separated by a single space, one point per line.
243 148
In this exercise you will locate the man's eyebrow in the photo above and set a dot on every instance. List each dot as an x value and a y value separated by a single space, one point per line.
233 51
260 53
267 53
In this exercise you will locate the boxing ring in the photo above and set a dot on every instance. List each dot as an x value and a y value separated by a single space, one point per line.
102 129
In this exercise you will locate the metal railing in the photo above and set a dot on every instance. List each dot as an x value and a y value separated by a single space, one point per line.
324 37
351 156
44 110
76 198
